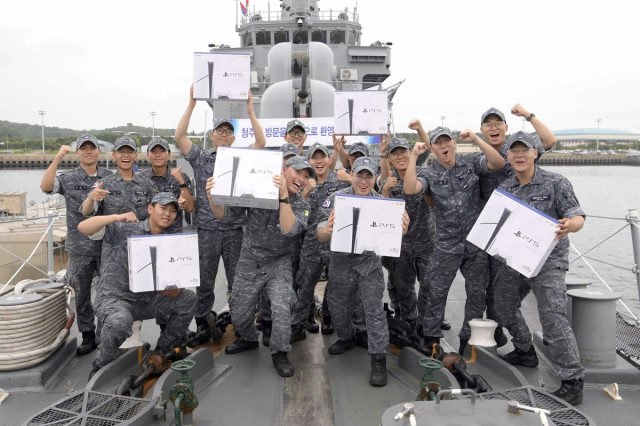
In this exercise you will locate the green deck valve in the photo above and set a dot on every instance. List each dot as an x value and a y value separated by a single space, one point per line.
429 388
182 394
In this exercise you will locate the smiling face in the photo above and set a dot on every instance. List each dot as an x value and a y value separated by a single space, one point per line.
296 136
296 179
162 216
222 136
88 154
158 156
521 157
494 130
125 158
363 182
445 150
320 163
399 158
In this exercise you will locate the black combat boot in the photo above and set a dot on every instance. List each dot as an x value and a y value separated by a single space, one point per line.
266 332
297 333
240 346
571 391
445 325
341 346
282 364
520 357
88 343
500 338
378 370
463 346
94 370
202 327
312 326
362 339
327 327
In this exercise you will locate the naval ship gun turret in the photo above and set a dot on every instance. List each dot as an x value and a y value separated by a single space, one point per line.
300 55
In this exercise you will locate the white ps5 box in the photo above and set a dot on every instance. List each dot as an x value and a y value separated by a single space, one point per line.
221 76
244 178
515 233
367 224
361 112
163 262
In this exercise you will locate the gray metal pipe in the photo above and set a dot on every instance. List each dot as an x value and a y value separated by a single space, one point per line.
635 239
50 270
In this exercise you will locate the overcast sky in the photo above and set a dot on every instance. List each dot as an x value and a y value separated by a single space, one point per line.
97 65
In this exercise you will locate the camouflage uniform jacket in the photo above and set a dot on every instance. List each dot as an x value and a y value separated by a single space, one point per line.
74 185
552 194
456 199
126 196
264 240
311 247
364 263
203 163
167 183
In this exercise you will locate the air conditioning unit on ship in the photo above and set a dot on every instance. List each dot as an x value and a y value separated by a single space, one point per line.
349 75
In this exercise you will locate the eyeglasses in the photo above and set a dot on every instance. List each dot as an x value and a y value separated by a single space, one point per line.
497 124
399 153
519 151
294 133
227 132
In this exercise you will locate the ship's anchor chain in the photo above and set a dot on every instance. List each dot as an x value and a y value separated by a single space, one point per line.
153 364
215 328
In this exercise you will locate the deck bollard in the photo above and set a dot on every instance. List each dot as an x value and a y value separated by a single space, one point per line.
572 284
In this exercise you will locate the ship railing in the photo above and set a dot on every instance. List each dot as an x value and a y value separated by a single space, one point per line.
633 223
318 15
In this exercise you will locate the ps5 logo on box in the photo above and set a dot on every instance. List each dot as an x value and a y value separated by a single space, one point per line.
383 225
232 74
180 259
371 110
524 237
261 172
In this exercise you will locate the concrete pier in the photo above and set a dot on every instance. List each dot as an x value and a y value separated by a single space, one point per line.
70 161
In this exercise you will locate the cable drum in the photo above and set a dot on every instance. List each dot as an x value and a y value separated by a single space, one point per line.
35 320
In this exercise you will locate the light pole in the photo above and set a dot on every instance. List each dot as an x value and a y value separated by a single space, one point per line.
598 137
42 113
204 133
442 117
153 124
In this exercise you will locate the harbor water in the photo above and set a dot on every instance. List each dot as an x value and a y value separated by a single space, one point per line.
602 191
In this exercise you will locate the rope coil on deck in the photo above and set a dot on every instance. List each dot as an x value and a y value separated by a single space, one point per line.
31 332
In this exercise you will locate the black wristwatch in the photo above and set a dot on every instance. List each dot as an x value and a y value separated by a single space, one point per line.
530 116
385 155
285 200
184 185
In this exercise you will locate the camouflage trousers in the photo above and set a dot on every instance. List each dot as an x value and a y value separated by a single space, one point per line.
276 280
80 270
307 279
212 245
549 289
116 316
347 287
443 267
264 303
401 283
494 267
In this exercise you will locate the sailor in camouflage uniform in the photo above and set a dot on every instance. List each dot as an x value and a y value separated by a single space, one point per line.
215 238
417 244
553 195
453 183
493 126
170 180
84 254
117 306
265 262
356 276
314 255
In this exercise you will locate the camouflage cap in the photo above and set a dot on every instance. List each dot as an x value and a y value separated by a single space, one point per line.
439 131
295 123
86 137
359 147
317 147
158 141
523 137
165 198
125 141
289 149
398 143
365 163
300 163
492 111
219 123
